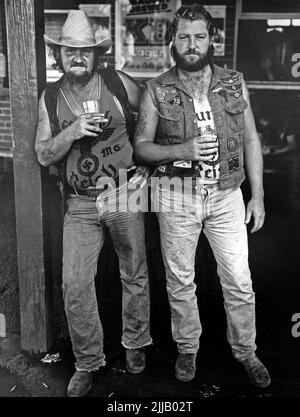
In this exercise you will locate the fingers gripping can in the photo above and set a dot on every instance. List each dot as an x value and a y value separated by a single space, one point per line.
209 135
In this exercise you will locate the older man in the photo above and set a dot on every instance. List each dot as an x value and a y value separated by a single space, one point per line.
195 124
87 147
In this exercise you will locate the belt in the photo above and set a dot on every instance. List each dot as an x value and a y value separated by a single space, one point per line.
180 171
94 192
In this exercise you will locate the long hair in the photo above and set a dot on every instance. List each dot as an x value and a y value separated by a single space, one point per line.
192 12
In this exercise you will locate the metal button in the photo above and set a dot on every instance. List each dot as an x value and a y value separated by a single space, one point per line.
237 95
230 81
195 121
234 87
196 166
190 100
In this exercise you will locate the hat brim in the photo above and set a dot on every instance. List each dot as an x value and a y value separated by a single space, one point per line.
104 44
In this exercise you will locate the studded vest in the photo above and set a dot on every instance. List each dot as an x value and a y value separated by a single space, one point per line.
178 120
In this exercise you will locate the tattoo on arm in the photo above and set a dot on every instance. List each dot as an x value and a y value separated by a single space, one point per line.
141 124
47 151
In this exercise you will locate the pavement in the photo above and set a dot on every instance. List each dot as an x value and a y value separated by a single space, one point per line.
218 374
11 386
37 379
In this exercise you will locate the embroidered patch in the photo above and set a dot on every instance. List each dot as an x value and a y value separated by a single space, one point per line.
176 100
232 144
161 94
234 164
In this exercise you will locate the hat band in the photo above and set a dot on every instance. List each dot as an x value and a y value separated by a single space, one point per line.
82 41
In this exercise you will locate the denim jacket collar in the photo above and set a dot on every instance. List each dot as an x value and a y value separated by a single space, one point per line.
171 78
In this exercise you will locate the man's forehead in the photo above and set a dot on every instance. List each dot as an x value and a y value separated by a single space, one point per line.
186 25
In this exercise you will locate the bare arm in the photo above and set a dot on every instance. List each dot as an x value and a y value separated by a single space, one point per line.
51 149
254 166
148 152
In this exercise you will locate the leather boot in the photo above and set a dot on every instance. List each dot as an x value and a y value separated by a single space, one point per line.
135 360
185 367
257 372
80 384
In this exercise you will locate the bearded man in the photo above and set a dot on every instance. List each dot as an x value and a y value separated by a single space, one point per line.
195 124
88 146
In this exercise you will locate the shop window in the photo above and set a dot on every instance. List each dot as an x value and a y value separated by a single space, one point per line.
269 50
143 38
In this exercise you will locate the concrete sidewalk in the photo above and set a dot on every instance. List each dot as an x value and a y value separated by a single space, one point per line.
218 375
11 386
40 380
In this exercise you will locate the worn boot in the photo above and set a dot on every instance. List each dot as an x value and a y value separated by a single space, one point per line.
135 360
257 372
80 384
185 367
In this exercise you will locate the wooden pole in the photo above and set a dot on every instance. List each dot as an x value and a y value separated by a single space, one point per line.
26 60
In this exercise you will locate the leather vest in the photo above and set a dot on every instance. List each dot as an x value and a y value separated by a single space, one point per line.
178 120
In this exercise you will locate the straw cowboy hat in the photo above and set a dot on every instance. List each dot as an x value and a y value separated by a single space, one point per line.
77 32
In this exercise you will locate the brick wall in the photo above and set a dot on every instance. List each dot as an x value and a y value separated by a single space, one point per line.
3 43
5 127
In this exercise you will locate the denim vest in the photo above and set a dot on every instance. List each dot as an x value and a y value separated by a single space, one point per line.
178 120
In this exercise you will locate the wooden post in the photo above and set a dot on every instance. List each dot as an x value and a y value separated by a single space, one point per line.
26 60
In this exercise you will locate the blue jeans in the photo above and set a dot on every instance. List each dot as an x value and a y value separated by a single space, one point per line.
82 242
221 215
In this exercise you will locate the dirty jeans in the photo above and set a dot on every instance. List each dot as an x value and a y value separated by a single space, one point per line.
82 242
221 214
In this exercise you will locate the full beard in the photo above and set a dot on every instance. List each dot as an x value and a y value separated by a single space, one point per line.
81 79
203 60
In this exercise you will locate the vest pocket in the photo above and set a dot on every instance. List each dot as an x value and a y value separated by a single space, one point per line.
235 115
169 112
236 106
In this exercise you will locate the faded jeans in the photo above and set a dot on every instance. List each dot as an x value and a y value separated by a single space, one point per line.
221 215
83 239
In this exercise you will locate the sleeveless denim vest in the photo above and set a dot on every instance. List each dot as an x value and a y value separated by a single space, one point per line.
178 120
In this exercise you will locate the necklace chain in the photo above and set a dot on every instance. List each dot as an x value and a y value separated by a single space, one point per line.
92 89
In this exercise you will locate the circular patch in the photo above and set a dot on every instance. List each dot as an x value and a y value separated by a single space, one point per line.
88 165
232 144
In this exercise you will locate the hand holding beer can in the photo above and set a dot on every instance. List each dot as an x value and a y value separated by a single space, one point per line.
208 135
